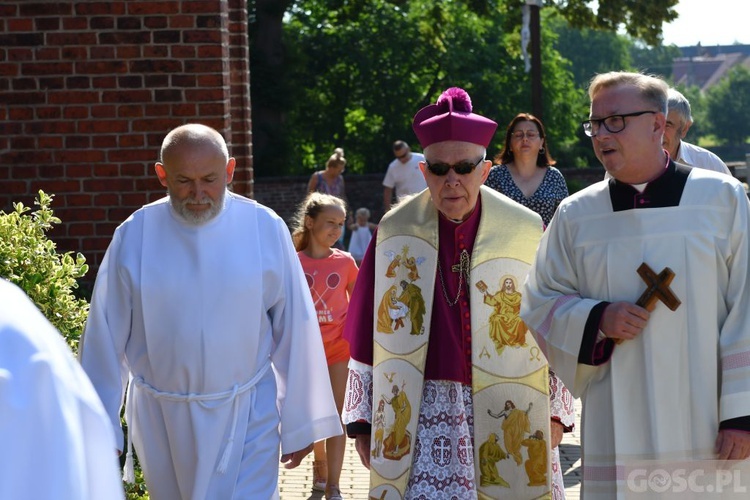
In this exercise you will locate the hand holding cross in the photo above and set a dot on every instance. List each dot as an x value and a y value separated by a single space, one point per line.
657 288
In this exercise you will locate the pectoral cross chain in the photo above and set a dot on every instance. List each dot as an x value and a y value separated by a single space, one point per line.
463 264
462 268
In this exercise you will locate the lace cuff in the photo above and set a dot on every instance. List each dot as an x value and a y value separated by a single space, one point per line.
561 402
358 399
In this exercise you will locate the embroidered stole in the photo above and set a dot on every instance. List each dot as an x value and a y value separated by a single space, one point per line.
510 384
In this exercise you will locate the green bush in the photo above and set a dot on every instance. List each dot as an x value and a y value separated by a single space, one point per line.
30 260
137 490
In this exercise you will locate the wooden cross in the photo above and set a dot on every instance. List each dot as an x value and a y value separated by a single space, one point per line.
657 288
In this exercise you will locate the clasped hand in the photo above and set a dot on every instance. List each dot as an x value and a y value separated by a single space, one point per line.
624 320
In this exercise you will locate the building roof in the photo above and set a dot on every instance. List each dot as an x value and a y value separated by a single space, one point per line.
706 66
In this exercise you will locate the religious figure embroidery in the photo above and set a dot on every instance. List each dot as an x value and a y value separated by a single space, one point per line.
379 424
515 426
411 295
395 262
396 305
536 465
398 442
490 453
506 328
391 312
410 263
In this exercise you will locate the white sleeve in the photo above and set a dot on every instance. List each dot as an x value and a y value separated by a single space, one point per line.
734 337
720 166
51 419
102 346
389 181
554 311
305 399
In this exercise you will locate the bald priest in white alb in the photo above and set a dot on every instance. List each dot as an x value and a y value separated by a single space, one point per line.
202 303
56 438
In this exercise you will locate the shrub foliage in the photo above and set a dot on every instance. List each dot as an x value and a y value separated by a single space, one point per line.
30 260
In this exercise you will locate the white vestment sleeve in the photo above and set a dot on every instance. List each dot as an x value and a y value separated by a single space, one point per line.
102 346
734 340
554 311
305 399
57 440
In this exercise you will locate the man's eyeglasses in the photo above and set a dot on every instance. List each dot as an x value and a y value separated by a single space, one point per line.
530 134
613 123
461 168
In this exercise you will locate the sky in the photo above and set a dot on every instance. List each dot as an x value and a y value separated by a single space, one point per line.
710 22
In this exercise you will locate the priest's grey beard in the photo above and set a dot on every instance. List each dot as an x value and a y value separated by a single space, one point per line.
197 218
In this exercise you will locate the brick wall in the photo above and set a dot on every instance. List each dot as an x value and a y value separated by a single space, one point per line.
88 89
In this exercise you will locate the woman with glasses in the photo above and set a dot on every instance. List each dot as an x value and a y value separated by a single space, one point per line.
525 171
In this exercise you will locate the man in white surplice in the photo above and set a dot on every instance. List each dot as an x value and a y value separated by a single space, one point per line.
201 302
57 440
664 386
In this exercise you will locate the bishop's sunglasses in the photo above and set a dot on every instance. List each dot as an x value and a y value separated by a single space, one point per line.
461 168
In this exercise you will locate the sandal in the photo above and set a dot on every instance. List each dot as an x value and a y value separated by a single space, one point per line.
320 475
333 493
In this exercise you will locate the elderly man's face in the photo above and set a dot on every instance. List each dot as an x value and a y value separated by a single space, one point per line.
196 177
455 195
673 133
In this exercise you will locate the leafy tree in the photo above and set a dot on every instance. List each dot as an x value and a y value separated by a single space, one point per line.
367 71
354 71
656 60
641 20
590 51
728 102
358 78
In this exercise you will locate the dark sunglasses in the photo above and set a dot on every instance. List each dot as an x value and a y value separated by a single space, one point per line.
461 168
